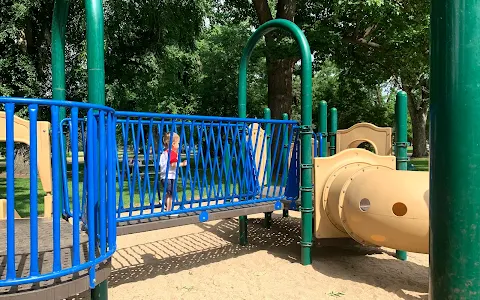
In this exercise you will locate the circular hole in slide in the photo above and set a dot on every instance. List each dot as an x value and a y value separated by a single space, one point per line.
399 209
364 204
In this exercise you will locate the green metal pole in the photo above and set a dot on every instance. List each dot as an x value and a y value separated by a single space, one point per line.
401 142
285 156
333 130
59 27
96 82
455 167
95 52
268 170
100 292
306 126
322 126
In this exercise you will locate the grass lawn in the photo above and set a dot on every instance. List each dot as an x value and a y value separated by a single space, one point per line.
421 164
22 189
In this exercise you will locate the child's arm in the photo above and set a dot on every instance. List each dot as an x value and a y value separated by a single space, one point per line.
182 164
174 160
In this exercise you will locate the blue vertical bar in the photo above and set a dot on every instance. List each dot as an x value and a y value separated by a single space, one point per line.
101 200
320 142
56 187
192 180
285 150
85 164
142 184
287 142
10 109
75 187
146 177
33 113
96 170
279 148
63 150
91 190
275 151
112 224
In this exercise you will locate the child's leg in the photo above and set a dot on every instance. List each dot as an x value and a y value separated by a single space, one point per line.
159 189
169 202
169 184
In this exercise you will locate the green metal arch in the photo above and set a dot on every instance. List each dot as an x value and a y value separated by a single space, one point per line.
306 128
306 57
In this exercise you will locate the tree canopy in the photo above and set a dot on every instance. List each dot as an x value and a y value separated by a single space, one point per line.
182 56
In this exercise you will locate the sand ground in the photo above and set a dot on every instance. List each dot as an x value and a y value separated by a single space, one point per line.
204 261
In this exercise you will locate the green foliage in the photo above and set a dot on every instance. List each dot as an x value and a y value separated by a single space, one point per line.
220 49
163 56
24 47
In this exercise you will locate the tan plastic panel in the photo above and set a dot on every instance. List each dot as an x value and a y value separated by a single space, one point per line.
258 136
398 214
379 137
333 188
21 129
327 167
3 210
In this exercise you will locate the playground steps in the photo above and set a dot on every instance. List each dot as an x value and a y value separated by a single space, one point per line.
192 218
59 288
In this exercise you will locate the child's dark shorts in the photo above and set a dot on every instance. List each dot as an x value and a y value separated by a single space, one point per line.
169 183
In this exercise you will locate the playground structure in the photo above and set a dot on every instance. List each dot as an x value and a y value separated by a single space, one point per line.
362 196
37 250
344 182
379 137
22 135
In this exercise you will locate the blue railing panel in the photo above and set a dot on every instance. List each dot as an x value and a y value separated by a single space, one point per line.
94 210
221 156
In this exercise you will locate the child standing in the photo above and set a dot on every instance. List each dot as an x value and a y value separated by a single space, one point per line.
170 159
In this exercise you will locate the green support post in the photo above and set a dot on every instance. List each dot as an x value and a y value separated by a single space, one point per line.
96 83
285 156
322 126
59 27
401 142
333 130
305 129
95 52
268 166
454 167
100 292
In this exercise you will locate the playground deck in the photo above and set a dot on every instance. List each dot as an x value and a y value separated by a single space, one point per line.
57 288
149 224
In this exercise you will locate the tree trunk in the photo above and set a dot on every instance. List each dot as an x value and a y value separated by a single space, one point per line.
418 115
22 160
280 95
279 69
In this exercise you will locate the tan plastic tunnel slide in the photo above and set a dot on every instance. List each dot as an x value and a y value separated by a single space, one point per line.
359 194
21 129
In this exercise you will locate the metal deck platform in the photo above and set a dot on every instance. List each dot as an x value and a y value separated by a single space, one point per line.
192 218
59 288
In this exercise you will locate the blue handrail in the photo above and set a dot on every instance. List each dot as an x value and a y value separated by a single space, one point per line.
101 209
208 181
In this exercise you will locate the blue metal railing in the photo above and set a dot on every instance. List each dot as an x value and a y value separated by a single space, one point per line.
67 128
227 167
318 144
100 197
